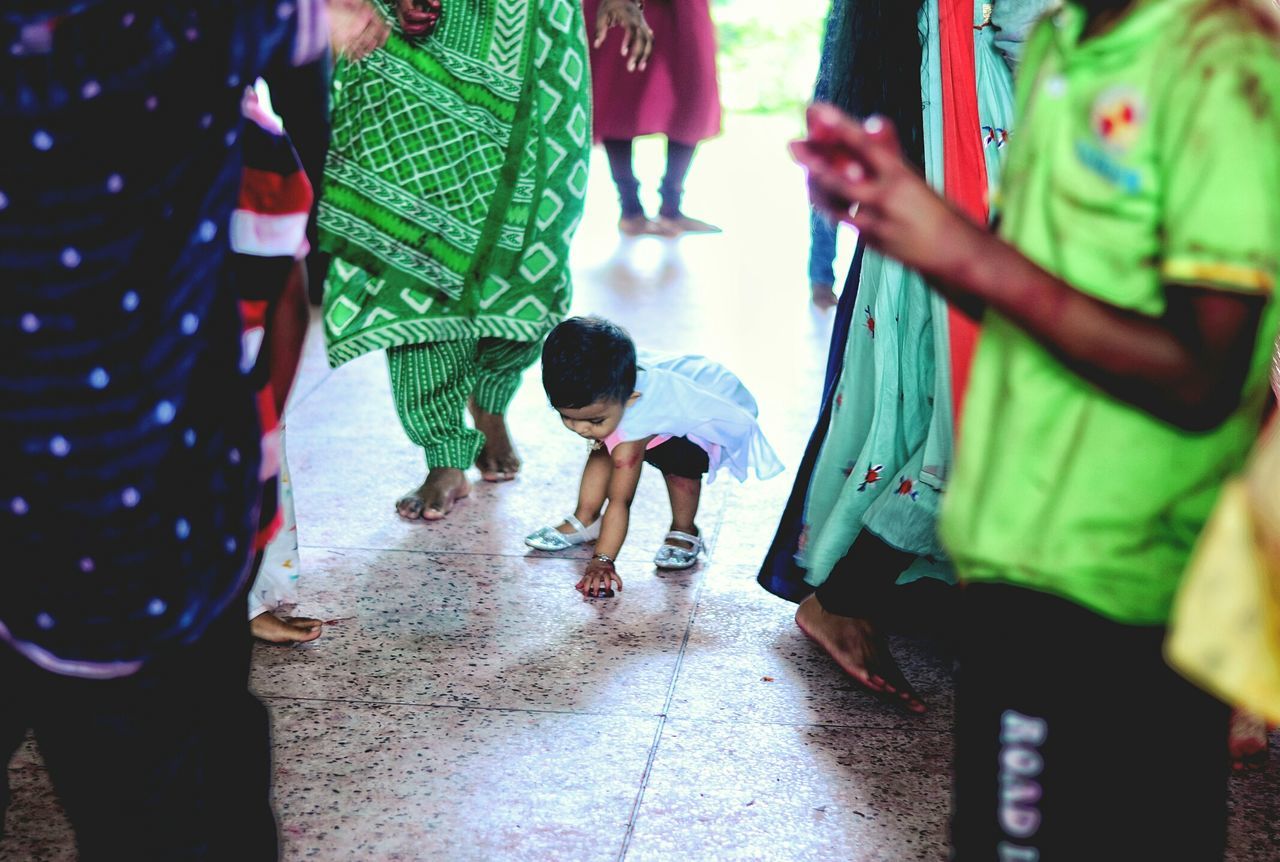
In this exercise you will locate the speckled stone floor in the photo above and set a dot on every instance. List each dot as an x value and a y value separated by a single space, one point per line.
471 706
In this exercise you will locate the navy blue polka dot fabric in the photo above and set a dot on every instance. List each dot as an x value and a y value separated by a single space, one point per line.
128 434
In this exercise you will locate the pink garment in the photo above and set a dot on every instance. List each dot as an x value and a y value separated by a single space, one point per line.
615 439
677 95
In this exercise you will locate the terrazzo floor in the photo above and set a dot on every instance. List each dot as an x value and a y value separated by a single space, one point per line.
471 706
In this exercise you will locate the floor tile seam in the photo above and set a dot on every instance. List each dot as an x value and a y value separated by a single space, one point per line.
662 720
281 698
303 546
820 725
666 717
437 552
719 527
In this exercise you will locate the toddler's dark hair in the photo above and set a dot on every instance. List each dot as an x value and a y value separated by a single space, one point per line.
588 359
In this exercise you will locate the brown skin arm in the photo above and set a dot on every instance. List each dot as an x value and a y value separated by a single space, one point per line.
1186 367
628 461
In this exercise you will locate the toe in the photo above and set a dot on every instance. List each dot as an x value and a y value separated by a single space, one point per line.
409 508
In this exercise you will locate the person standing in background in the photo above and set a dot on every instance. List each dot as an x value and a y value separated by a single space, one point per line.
675 94
822 231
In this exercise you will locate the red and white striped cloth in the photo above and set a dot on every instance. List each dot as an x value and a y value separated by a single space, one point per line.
268 234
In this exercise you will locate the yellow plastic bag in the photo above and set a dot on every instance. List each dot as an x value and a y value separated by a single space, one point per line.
1224 634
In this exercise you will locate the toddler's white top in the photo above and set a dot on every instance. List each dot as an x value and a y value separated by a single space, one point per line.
693 397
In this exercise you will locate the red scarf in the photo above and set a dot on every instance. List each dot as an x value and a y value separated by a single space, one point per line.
964 163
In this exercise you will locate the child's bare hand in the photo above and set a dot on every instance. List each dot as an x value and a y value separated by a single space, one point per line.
599 581
356 29
637 38
858 174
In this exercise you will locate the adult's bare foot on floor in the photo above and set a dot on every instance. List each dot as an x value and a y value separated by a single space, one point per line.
444 487
860 650
678 225
498 461
289 630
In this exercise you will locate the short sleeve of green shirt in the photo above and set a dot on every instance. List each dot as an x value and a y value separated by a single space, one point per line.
1145 156
1219 130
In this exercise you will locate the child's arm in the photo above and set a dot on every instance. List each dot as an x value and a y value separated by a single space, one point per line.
627 460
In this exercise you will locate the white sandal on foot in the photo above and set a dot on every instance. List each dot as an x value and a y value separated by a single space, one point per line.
551 539
675 557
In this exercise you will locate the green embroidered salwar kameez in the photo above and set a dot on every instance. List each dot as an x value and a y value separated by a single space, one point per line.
456 179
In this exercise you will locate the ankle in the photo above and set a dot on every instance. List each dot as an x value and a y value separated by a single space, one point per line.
587 517
690 528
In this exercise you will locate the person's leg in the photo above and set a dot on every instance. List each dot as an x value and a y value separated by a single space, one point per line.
500 366
173 763
671 216
684 493
431 383
839 617
822 255
1050 764
683 465
633 220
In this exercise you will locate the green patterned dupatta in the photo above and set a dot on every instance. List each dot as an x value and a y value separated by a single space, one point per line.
456 178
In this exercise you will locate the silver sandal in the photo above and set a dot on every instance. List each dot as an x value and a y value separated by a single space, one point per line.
675 557
551 539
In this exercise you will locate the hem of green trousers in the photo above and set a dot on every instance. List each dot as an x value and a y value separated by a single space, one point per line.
458 453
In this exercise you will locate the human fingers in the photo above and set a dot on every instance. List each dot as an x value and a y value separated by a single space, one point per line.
896 684
369 39
835 190
646 47
874 142
629 49
832 206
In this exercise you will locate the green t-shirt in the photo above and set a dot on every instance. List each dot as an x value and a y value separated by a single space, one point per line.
1146 156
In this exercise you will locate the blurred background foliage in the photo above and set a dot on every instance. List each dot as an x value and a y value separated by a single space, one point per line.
768 52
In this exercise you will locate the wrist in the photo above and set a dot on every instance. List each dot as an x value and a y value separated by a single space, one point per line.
603 558
962 266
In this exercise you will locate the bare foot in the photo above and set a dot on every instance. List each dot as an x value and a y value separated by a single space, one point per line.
444 487
498 461
823 296
289 630
682 224
640 225
1248 740
861 652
